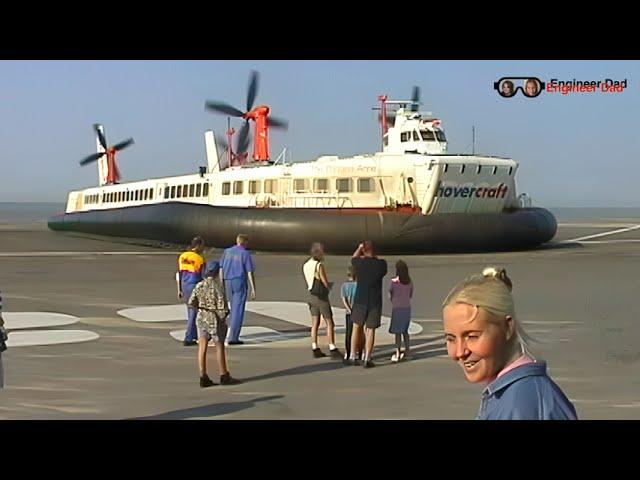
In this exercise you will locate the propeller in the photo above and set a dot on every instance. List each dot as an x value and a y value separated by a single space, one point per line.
277 122
103 141
122 145
91 158
415 99
229 110
225 108
243 138
221 107
113 173
253 89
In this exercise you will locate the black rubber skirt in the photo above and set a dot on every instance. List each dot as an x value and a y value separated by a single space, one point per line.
293 230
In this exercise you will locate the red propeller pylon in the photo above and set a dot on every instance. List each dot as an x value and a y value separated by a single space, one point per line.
261 117
113 173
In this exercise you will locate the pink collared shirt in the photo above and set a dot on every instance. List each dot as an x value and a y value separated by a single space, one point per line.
523 360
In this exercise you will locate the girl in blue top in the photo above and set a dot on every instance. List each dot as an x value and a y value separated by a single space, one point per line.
490 345
347 293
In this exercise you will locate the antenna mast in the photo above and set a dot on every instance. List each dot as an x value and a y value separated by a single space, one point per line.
383 113
473 139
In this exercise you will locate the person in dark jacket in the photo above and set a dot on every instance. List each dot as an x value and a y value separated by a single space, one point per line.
484 337
366 312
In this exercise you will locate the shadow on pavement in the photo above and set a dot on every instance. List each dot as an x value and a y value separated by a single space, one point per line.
213 410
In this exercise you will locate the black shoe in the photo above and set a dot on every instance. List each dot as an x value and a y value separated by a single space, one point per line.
227 379
351 363
317 353
206 382
235 342
189 343
335 354
368 364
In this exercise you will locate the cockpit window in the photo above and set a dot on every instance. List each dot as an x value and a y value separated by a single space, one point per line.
429 136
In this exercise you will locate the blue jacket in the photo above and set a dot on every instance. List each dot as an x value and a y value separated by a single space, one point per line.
525 393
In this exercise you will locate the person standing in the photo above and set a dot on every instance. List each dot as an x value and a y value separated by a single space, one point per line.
367 303
190 266
209 298
348 292
237 268
318 286
400 293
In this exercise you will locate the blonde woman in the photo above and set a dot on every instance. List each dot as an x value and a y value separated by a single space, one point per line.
484 337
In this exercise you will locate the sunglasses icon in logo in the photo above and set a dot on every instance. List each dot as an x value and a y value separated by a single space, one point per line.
508 86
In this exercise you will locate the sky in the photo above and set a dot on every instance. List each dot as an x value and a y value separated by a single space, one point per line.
576 150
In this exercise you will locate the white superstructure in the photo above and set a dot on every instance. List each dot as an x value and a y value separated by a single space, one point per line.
414 171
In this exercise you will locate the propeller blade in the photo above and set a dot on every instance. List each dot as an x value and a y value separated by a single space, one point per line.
277 122
221 142
415 98
253 89
243 138
103 141
91 158
225 108
123 145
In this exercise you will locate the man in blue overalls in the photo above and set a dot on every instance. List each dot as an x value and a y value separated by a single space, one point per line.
236 268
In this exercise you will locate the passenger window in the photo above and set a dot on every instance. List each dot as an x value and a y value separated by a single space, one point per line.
270 186
343 185
238 187
366 185
226 188
254 186
300 185
321 185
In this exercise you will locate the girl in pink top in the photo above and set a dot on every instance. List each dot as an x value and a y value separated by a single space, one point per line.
400 292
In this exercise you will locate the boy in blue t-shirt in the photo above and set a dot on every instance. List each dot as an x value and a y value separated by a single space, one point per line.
348 292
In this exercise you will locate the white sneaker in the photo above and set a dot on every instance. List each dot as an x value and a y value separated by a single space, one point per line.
395 358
